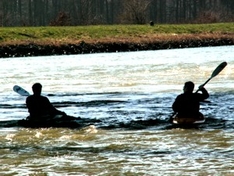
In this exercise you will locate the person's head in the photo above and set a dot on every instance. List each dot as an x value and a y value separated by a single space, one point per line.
188 87
37 88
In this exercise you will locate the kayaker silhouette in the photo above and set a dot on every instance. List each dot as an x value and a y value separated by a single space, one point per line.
187 104
39 107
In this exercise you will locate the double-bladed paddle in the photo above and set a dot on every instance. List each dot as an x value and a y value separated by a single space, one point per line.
215 73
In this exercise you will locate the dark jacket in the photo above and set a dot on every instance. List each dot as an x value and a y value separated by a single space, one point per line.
189 103
40 106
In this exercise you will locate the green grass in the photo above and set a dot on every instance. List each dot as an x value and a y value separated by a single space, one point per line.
14 35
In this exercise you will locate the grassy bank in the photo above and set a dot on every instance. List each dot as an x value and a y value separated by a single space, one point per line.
38 41
113 33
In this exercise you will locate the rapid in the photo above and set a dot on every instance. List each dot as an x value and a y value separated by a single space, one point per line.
130 94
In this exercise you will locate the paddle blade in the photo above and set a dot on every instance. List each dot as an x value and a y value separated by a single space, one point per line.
215 73
219 69
20 90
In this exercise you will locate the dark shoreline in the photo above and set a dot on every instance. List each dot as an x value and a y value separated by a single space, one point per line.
27 50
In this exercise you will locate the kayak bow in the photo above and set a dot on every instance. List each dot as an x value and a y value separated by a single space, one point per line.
188 120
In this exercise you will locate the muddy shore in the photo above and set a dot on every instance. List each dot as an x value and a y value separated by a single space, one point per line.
34 49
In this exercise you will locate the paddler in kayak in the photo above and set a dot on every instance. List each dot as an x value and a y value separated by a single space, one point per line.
187 104
39 107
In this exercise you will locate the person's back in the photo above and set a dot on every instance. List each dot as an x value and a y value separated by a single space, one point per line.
188 103
39 107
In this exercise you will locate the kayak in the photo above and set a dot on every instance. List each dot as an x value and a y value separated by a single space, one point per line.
49 124
176 119
70 122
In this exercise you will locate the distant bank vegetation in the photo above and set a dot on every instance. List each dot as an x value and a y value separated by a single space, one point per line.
105 12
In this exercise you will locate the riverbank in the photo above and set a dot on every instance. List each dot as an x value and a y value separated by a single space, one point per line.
34 49
24 42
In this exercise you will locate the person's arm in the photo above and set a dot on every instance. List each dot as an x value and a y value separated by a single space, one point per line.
28 104
204 94
52 109
176 105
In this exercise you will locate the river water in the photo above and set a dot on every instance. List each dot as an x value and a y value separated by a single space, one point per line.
131 93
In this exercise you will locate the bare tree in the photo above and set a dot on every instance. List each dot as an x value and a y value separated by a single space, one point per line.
85 12
135 11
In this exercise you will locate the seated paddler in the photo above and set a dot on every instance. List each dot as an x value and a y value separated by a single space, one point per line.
39 107
187 104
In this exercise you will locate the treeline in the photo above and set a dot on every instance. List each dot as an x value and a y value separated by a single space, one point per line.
91 12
